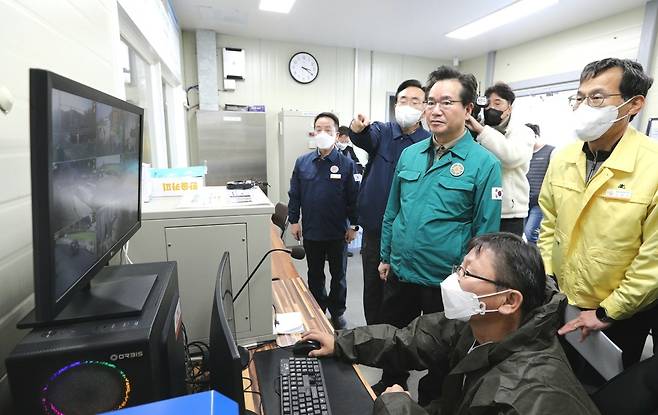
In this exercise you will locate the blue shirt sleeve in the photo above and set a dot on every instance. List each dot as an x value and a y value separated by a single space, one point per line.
294 195
368 139
392 209
486 218
352 190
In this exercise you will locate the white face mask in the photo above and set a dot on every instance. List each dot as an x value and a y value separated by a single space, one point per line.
590 123
324 140
341 146
461 305
407 116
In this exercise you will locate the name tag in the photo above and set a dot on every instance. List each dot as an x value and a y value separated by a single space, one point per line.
620 194
357 177
334 176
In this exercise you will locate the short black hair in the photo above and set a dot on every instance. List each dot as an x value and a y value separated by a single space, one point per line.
534 128
343 130
327 115
634 81
467 80
517 264
502 90
406 84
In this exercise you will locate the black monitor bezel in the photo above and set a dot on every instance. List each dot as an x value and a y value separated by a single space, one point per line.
42 82
225 376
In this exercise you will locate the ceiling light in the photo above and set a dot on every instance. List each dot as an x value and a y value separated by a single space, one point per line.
277 6
514 11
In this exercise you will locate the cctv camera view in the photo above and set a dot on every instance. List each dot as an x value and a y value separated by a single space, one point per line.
95 179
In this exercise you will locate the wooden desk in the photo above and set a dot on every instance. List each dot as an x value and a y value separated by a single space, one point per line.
282 266
290 293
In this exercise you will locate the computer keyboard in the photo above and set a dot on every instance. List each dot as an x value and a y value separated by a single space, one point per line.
302 387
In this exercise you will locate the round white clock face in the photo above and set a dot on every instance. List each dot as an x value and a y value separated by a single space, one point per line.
303 67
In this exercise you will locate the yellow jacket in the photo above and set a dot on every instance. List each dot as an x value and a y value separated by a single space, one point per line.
601 239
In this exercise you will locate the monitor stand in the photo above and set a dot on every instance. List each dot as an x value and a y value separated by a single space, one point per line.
107 298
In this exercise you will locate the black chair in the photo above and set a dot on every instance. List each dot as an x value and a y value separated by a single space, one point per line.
280 217
633 392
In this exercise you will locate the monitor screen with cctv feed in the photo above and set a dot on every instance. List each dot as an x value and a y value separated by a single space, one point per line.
86 151
95 160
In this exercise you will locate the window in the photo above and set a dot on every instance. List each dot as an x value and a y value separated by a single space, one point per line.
138 91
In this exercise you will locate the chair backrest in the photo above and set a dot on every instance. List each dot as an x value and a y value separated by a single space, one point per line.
633 392
280 216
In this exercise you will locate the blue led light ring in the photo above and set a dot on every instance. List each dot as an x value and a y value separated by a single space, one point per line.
50 408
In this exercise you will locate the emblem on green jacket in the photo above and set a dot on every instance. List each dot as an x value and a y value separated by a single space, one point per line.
457 169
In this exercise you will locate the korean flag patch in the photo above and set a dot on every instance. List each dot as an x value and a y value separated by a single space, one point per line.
496 193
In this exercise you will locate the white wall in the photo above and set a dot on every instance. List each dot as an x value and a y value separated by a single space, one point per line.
478 67
268 82
616 36
75 38
79 39
569 51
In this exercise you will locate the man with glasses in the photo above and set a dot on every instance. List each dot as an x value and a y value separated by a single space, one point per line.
445 190
494 346
599 236
383 142
513 144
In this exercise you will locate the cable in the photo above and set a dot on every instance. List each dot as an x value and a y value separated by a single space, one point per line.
251 382
276 383
124 249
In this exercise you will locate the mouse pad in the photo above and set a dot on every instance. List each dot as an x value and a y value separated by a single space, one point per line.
340 378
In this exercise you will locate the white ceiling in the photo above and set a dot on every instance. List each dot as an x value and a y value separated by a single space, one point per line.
411 27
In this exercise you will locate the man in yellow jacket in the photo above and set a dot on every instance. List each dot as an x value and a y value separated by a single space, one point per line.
599 236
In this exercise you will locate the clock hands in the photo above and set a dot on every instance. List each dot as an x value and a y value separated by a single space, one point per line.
307 70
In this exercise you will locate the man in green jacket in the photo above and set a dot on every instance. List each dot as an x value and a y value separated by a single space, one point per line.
495 343
446 189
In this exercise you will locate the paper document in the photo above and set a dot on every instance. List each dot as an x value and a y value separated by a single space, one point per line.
199 199
239 196
288 323
597 348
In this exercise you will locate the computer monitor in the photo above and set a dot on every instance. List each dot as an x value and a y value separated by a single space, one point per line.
225 363
86 153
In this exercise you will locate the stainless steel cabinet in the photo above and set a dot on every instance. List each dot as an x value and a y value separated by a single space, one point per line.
233 145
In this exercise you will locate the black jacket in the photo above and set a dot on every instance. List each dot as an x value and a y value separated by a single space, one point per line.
527 373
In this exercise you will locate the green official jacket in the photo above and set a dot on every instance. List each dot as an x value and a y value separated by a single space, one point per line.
436 206
525 374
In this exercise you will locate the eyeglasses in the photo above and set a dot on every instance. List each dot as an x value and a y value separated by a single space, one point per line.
461 272
595 100
414 101
444 104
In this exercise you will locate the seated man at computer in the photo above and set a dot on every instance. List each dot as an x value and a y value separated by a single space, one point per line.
495 342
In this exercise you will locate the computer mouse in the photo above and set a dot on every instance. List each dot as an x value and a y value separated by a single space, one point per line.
302 347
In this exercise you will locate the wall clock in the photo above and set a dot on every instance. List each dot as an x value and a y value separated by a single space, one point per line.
303 67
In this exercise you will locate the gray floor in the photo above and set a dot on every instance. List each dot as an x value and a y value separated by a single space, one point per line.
355 317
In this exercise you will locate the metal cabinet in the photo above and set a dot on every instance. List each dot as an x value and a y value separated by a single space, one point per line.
196 239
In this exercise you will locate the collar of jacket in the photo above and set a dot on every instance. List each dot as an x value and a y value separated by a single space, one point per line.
333 156
461 147
536 332
418 135
623 155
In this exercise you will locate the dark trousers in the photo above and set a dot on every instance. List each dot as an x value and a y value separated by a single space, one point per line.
512 225
373 286
402 303
336 252
630 335
633 392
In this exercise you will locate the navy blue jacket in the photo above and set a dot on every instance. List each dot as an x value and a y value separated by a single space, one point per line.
384 143
326 192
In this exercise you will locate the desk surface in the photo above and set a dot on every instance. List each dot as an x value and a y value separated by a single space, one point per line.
290 293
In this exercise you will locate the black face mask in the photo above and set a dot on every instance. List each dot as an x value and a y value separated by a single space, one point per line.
493 117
